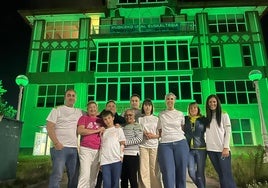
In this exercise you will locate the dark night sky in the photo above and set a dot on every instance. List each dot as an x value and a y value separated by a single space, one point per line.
15 46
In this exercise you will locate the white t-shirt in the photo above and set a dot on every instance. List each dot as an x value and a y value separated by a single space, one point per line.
171 122
217 137
110 145
149 124
65 119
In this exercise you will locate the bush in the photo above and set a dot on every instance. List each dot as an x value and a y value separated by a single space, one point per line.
5 109
249 169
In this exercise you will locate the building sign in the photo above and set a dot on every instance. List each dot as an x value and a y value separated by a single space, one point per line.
134 28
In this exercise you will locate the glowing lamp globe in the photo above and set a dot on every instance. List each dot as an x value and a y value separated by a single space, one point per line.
255 75
22 80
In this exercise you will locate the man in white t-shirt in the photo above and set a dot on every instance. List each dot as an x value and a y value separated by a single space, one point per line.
61 128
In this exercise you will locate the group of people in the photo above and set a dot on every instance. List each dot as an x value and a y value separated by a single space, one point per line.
138 147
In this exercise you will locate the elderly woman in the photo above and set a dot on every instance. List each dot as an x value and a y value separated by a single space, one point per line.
134 135
173 149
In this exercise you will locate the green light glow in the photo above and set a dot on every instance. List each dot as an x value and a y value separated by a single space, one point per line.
255 75
22 80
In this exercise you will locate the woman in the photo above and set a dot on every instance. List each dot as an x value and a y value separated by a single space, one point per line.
130 166
218 134
149 169
90 127
173 149
194 128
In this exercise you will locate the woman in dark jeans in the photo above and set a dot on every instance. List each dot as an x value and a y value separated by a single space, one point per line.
194 128
218 133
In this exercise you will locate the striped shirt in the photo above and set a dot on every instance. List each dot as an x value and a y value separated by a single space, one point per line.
134 135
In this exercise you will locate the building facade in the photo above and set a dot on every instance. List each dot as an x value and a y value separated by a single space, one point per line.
112 50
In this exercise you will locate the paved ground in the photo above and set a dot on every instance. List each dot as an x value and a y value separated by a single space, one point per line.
211 183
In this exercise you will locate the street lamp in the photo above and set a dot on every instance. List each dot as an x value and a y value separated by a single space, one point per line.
255 76
21 81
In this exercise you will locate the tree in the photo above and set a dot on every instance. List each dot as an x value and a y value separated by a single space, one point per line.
5 109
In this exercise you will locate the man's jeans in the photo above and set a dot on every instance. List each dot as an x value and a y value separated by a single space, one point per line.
61 159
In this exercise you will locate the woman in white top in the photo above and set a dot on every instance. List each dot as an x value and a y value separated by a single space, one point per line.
149 169
173 149
218 134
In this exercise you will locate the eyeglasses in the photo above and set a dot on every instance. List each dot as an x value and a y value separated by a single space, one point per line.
126 115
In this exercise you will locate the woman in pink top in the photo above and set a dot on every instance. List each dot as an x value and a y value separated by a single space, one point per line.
89 127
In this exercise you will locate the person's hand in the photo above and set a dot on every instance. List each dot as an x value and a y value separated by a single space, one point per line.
58 146
117 125
225 152
101 129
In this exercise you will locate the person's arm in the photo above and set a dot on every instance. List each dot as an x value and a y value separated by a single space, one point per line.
52 135
160 132
83 131
227 134
122 147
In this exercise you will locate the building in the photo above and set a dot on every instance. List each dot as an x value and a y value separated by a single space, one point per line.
149 47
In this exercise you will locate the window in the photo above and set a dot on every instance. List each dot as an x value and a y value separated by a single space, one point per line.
194 57
45 58
226 23
62 30
154 87
144 56
216 56
91 92
242 132
127 1
247 55
92 60
51 95
197 92
72 61
152 1
236 92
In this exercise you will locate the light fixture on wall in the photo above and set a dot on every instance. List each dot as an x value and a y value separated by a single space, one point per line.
21 81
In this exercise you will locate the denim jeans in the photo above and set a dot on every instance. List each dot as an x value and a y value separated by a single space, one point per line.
111 175
196 167
224 169
173 159
61 159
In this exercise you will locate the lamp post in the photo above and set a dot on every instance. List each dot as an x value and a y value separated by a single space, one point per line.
21 81
255 76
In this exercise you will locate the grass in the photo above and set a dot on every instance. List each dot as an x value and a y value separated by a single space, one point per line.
30 170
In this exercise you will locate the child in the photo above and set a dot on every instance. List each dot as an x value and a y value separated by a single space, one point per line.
112 152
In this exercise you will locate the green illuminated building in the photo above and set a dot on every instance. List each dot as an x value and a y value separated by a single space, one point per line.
149 47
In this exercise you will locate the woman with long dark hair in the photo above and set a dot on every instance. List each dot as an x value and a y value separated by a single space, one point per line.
218 134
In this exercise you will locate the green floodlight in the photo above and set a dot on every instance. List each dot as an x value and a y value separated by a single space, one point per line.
22 80
255 75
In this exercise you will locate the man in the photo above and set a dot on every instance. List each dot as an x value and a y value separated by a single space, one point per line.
61 128
135 105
